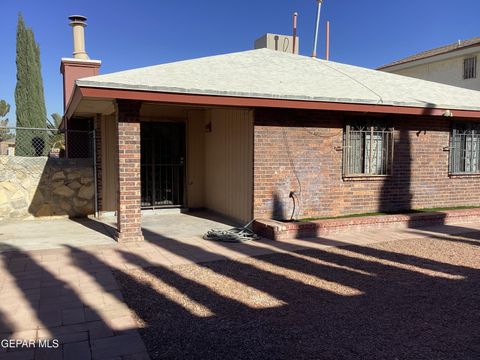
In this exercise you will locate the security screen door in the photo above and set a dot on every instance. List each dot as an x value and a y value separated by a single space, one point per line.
163 164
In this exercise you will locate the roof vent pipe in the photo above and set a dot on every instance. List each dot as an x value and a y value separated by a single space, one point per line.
294 47
327 42
317 25
78 23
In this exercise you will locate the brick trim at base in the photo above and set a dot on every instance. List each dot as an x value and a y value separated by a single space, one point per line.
128 238
278 230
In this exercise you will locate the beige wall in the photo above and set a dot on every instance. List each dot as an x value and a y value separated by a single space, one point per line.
448 71
229 163
196 159
109 169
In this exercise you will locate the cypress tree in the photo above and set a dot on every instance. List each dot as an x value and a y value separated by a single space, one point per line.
29 95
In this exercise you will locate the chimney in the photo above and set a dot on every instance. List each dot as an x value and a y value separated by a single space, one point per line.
80 65
78 24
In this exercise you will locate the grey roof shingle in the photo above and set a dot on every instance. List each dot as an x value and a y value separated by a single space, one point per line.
461 44
271 74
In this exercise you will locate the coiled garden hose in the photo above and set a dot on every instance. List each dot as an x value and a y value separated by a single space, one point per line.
233 235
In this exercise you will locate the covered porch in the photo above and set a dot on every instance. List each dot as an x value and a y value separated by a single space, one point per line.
154 156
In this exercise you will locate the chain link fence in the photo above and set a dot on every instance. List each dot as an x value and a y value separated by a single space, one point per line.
47 142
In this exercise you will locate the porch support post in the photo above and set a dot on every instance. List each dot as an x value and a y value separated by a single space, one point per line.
129 223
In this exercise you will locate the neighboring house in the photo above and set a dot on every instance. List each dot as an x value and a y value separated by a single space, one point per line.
245 134
454 64
7 147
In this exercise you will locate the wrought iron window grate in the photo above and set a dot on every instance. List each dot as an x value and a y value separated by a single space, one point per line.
368 149
465 149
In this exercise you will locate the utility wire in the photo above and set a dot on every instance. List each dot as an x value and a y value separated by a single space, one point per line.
292 164
380 99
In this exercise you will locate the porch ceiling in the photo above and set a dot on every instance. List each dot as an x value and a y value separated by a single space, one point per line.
88 107
92 106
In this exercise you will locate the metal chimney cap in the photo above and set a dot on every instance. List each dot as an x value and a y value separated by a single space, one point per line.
77 19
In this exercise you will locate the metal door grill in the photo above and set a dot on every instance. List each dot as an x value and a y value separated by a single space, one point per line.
162 163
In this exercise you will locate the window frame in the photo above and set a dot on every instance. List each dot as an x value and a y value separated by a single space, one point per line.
387 150
474 141
470 73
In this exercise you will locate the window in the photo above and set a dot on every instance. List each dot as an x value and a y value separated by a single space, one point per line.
465 149
470 68
368 149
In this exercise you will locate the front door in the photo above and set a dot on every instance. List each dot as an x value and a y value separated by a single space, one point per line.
163 164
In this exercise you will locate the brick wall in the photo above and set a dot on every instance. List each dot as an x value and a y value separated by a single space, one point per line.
128 162
300 151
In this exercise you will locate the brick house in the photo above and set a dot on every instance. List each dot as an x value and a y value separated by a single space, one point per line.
266 134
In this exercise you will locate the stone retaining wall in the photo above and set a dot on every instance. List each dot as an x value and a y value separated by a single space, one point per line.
40 186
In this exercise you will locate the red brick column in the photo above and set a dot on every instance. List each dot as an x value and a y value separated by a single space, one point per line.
128 163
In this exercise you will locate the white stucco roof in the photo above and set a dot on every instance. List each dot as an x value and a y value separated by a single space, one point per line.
271 74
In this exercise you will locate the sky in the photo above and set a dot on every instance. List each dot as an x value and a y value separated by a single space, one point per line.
126 34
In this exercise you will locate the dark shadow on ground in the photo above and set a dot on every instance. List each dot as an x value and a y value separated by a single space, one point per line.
108 228
212 216
399 311
53 302
5 325
60 311
96 225
453 233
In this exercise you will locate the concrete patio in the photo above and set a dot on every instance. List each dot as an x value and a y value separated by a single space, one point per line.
56 278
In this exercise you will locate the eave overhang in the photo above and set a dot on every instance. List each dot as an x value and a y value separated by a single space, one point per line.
234 101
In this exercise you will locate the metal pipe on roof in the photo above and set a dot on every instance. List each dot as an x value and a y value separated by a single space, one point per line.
327 43
78 24
295 16
317 24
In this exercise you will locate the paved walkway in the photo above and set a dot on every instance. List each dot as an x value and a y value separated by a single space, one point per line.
28 235
69 293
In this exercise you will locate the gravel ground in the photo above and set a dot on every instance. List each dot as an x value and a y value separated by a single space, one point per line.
408 299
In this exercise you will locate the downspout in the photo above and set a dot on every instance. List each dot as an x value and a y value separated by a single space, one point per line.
66 137
95 173
317 25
